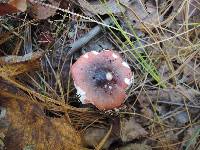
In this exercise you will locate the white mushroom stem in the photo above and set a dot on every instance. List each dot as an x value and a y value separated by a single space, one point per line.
81 93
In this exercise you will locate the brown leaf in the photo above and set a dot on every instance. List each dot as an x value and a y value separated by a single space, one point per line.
177 95
191 137
167 138
25 125
12 6
193 11
42 12
7 9
136 12
151 21
191 72
102 9
15 65
20 5
13 59
93 136
135 147
130 130
136 8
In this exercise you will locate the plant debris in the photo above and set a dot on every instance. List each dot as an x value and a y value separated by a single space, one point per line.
24 124
131 130
41 41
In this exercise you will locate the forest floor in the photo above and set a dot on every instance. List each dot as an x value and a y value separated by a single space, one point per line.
41 39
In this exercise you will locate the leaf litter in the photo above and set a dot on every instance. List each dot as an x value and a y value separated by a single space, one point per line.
38 102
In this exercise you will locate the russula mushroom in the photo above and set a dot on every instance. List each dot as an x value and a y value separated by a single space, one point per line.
101 79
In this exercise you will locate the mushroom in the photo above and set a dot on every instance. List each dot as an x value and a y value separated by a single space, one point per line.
101 79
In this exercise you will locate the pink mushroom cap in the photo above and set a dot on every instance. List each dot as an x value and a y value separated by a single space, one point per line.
101 79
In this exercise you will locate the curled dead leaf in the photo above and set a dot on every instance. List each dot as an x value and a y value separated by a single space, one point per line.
135 147
139 13
39 11
25 125
131 130
191 137
15 65
13 6
191 72
21 5
103 8
135 11
13 59
193 10
92 137
7 9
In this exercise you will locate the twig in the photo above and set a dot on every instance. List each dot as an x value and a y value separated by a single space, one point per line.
86 38
28 48
78 15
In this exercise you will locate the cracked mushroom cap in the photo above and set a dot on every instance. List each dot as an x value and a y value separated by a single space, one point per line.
101 79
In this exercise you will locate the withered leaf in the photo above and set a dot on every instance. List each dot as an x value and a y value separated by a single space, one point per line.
135 147
12 6
7 9
20 5
101 8
92 137
130 130
25 125
137 12
15 65
39 11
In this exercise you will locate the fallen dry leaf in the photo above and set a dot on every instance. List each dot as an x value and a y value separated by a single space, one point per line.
39 11
191 137
135 147
21 5
136 8
17 59
25 125
191 72
145 98
147 112
92 137
151 21
7 9
131 130
166 138
136 11
143 16
14 65
97 7
12 6
181 118
193 11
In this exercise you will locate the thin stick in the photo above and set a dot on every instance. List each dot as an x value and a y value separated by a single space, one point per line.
86 38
